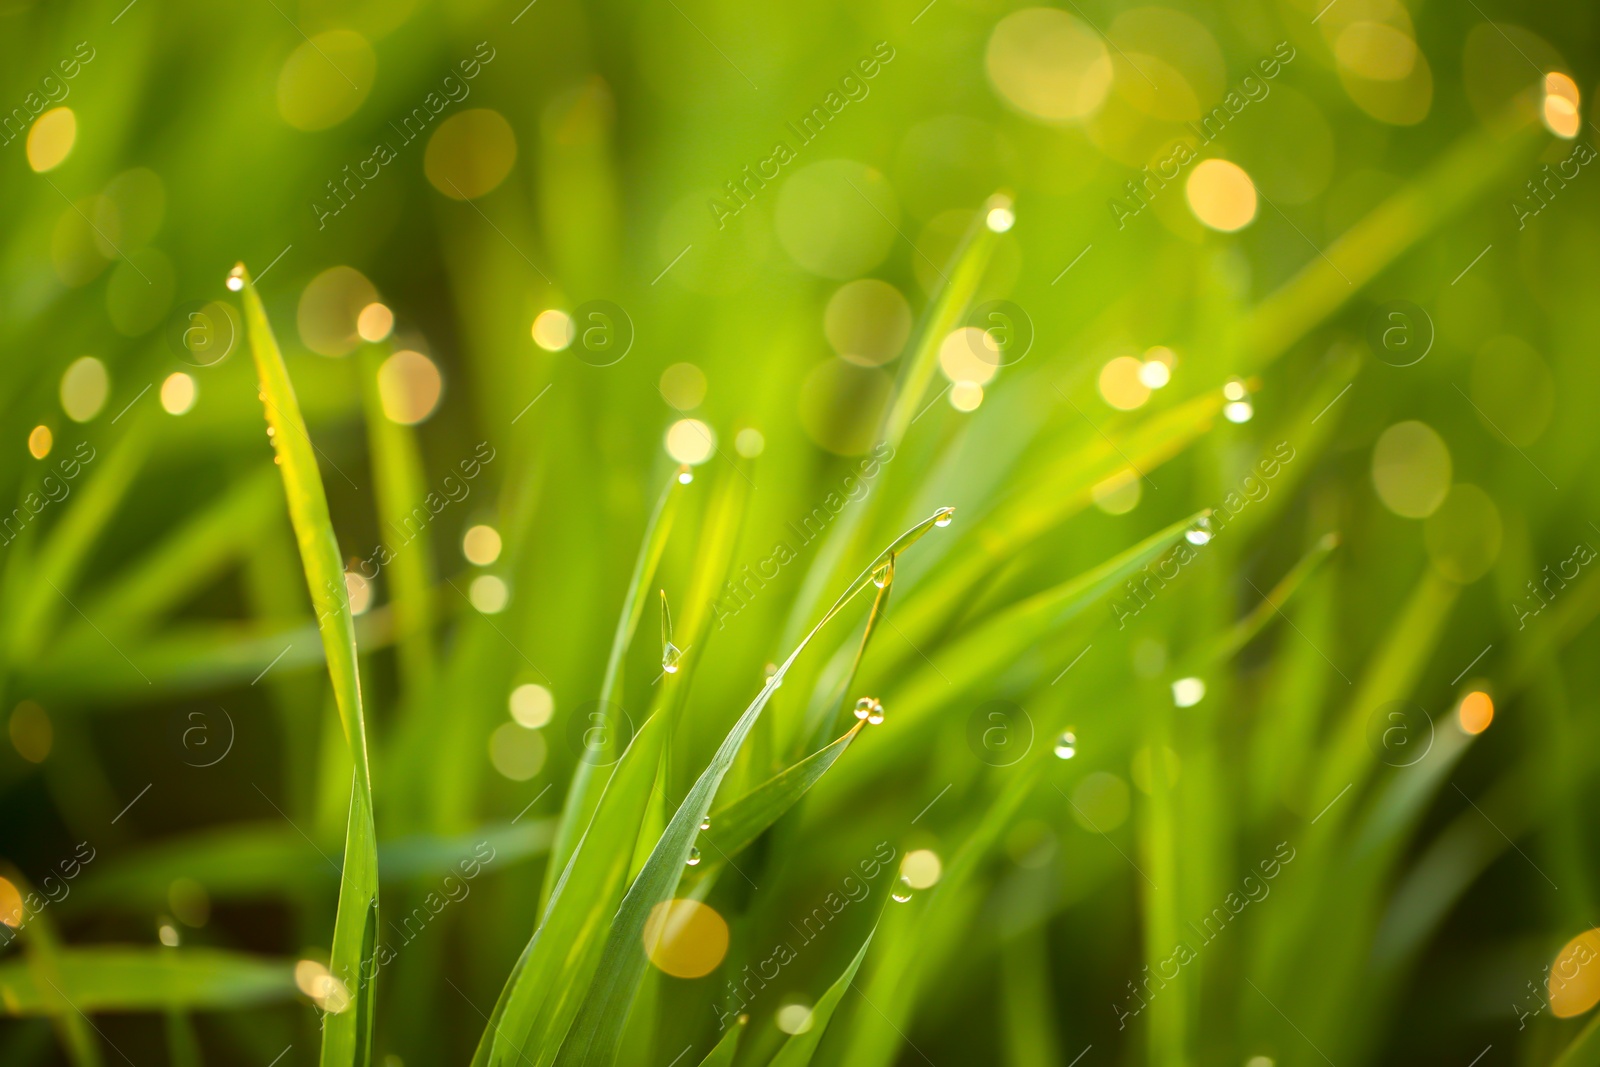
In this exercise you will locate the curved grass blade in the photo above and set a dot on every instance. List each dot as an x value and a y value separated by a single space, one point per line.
735 825
588 779
597 1030
347 1034
136 979
798 1050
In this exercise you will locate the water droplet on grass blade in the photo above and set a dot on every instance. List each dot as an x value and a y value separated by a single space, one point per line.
944 517
1200 532
1067 745
902 891
671 657
705 823
870 709
694 857
884 574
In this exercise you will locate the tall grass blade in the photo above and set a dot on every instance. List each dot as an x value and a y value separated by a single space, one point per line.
347 1034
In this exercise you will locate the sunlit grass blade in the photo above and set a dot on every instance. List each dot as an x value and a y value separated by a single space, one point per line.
597 1029
798 1050
137 979
589 780
347 1034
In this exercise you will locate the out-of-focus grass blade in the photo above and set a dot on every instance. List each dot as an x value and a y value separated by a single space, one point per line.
798 1050
397 469
42 967
188 658
724 1051
129 978
958 283
589 780
919 936
270 861
188 557
1027 1008
735 825
597 1030
1585 1048
1227 644
1478 161
51 578
346 1034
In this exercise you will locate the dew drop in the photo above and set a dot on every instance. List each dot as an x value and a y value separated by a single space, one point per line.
236 278
876 716
685 475
870 709
945 516
902 890
1067 745
884 574
705 823
694 857
1200 532
671 657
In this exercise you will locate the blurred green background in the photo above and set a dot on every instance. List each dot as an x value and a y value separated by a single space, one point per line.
760 290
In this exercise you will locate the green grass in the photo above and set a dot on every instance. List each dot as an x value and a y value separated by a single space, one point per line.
283 774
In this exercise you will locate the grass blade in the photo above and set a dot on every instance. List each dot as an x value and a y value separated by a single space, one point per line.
347 1034
134 979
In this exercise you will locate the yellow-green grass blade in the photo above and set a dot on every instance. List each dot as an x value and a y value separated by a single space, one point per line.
722 1054
346 1034
597 1029
588 779
798 1050
138 979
